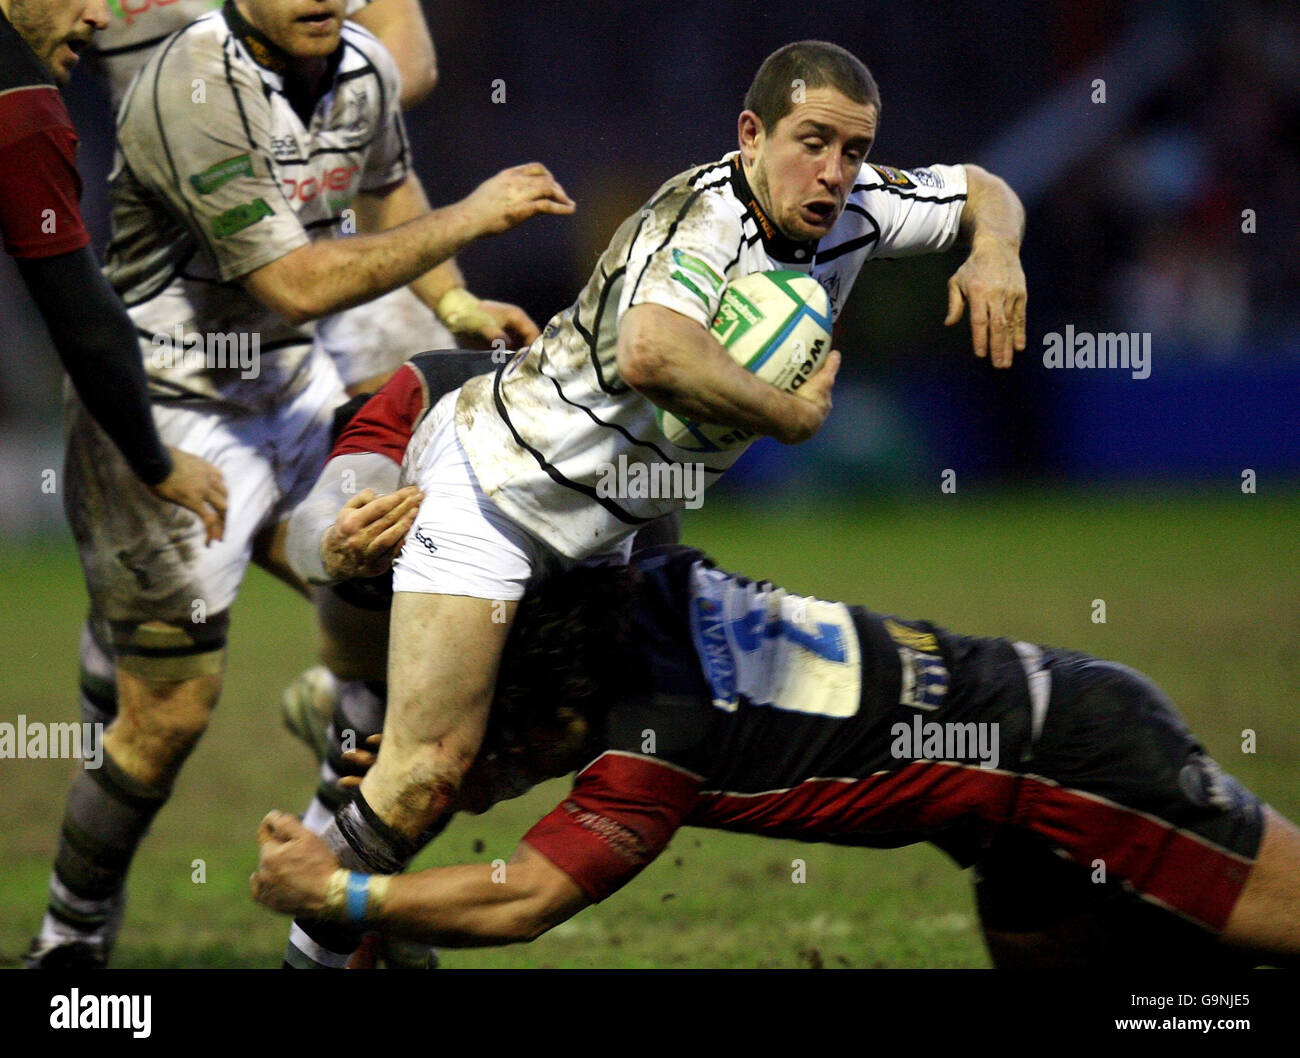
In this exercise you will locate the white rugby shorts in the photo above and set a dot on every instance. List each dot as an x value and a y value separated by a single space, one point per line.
461 543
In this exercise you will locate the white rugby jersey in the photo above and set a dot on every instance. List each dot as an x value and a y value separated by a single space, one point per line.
136 27
216 176
543 432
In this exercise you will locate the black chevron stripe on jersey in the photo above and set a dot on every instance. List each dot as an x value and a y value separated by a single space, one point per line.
910 194
672 230
853 244
590 336
139 45
626 517
618 428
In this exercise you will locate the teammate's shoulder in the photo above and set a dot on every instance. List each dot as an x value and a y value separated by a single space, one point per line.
361 48
186 74
197 51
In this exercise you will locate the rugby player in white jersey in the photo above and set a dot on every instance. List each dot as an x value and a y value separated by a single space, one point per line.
366 343
509 466
223 257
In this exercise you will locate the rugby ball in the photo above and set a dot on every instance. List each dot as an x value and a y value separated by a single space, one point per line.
774 324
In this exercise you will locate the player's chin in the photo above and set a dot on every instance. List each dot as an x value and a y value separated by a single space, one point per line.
309 43
814 223
61 63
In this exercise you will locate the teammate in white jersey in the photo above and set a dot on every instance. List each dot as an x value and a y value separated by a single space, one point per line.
508 467
248 140
368 342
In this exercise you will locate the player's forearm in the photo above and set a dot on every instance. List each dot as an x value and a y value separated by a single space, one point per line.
405 203
993 211
336 274
343 477
676 364
464 907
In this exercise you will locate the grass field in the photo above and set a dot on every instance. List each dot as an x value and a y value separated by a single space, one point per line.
1202 594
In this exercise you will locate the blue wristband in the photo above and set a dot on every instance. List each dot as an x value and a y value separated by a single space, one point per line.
358 895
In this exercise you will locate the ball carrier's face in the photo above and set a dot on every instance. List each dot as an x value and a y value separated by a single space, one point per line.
804 168
57 30
305 29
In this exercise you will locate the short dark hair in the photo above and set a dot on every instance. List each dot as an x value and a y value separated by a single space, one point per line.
564 660
818 64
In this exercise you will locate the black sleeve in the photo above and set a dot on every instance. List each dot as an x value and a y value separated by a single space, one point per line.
97 343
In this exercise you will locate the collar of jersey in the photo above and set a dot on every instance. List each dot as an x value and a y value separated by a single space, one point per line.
779 247
265 52
274 64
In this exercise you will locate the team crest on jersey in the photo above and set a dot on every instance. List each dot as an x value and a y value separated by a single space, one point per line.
924 674
893 176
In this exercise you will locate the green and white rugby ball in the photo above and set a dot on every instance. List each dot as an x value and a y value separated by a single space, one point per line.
774 324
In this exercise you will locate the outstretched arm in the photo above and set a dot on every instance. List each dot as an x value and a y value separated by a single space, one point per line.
477 323
458 907
319 278
991 280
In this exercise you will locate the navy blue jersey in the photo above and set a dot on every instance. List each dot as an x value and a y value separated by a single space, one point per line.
755 688
750 709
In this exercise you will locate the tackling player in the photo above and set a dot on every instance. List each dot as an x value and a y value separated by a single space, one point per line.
244 142
509 467
688 696
41 224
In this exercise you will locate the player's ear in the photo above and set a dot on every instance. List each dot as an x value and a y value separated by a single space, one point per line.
749 131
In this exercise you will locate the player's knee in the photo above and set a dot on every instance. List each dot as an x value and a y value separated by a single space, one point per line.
425 777
165 716
169 678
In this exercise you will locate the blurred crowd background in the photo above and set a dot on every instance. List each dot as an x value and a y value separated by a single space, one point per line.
1136 218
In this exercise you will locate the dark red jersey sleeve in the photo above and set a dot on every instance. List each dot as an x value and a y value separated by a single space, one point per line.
622 812
40 215
386 421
